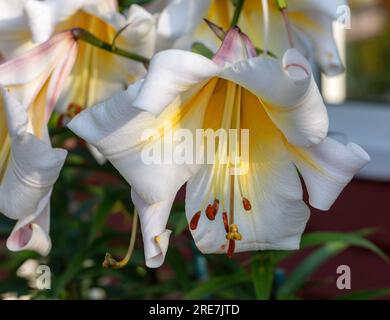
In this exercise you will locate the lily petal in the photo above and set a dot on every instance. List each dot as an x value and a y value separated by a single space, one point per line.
325 48
26 186
43 16
32 232
288 93
179 18
171 73
153 219
108 127
329 7
36 62
32 168
327 168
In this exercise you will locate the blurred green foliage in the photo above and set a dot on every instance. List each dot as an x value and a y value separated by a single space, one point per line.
368 63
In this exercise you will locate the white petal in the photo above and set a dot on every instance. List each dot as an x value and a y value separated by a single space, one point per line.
324 45
32 232
43 16
179 18
11 15
139 37
32 168
289 95
38 61
329 7
153 219
327 168
58 78
170 73
118 130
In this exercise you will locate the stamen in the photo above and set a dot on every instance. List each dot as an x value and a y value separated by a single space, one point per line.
233 235
288 27
225 221
216 206
212 210
246 204
231 248
266 26
194 221
110 262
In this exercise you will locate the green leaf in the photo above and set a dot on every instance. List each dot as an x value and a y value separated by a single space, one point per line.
365 294
181 225
216 284
179 266
308 266
320 238
201 49
104 210
263 271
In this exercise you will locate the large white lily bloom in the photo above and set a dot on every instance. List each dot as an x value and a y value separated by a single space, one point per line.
27 174
277 100
180 24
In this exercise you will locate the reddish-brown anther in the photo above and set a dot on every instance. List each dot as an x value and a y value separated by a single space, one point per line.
194 221
225 221
247 204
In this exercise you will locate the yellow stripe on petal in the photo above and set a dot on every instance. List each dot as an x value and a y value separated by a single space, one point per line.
303 21
4 141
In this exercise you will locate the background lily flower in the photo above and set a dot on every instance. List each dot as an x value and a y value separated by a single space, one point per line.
277 100
96 73
180 24
27 173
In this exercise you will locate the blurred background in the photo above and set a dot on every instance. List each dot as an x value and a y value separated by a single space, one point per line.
92 212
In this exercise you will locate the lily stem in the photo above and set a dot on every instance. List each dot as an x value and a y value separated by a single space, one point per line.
84 35
237 12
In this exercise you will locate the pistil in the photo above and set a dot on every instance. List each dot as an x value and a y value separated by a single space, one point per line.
110 262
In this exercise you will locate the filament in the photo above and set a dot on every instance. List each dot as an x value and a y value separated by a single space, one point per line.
266 26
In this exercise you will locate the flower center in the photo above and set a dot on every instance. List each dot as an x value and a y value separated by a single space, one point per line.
228 172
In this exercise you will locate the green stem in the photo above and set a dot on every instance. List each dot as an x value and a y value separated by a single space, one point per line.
84 35
237 12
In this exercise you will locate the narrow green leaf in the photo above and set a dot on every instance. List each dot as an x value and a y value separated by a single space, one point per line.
365 294
263 271
308 266
201 49
216 284
320 238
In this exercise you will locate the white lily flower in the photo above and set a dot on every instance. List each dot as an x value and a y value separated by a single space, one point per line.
28 164
277 101
27 174
96 74
180 24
